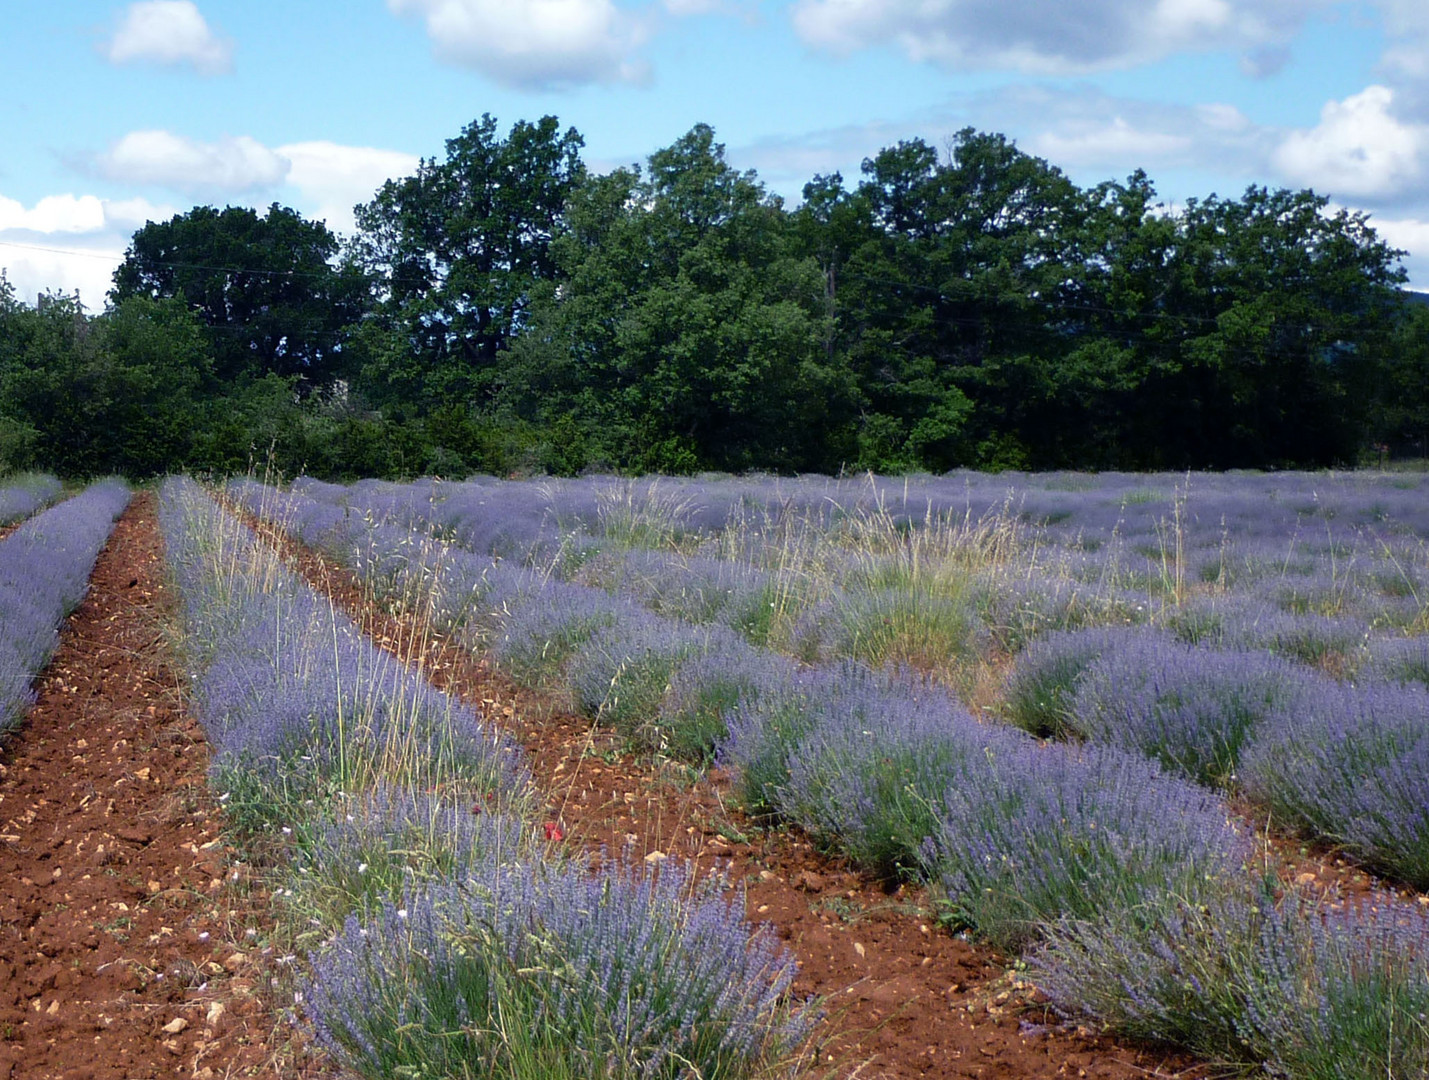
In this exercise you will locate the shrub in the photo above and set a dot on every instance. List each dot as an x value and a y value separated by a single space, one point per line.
867 779
1352 766
707 689
1401 659
545 623
1040 690
1191 708
1044 832
45 566
531 969
363 850
1306 993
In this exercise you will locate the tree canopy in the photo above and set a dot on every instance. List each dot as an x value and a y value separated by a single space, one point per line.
505 308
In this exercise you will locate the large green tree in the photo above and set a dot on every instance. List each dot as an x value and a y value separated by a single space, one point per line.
936 268
459 247
688 328
1271 320
268 288
119 393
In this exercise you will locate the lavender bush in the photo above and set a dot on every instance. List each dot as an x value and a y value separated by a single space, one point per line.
22 495
1046 832
45 566
293 697
366 849
1190 708
868 777
1039 692
545 623
765 731
532 969
707 689
665 684
1401 660
1351 765
1232 976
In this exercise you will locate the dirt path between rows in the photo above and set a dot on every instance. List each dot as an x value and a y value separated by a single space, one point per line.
117 959
905 999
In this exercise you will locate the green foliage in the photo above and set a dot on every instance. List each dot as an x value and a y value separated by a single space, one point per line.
688 331
265 287
459 247
503 310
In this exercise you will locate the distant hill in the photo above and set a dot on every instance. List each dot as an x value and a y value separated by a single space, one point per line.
1415 297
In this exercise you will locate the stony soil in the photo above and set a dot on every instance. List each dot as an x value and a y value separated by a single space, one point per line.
124 951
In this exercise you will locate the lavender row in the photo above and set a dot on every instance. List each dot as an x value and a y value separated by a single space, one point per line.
1193 708
1148 927
1221 679
1297 989
45 566
452 935
1323 508
289 689
881 767
24 495
537 969
1131 876
1335 761
1318 568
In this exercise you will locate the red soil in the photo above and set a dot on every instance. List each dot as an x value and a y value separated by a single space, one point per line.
117 959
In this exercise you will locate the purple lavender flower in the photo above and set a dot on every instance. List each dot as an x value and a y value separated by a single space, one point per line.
1401 660
1299 990
289 686
1040 690
623 972
1042 832
45 566
867 779
1192 708
1351 765
22 496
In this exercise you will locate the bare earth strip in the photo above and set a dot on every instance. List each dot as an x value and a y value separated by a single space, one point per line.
116 928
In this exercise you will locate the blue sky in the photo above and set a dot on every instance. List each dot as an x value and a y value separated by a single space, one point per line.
119 112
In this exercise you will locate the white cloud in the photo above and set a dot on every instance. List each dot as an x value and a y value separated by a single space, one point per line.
128 214
336 178
1221 117
66 242
172 33
53 214
78 214
534 44
34 269
1116 141
172 161
1048 37
1359 149
1410 235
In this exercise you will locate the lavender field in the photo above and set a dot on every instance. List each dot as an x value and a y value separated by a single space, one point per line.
443 940
1035 693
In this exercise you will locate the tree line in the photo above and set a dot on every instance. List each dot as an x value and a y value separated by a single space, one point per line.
506 309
